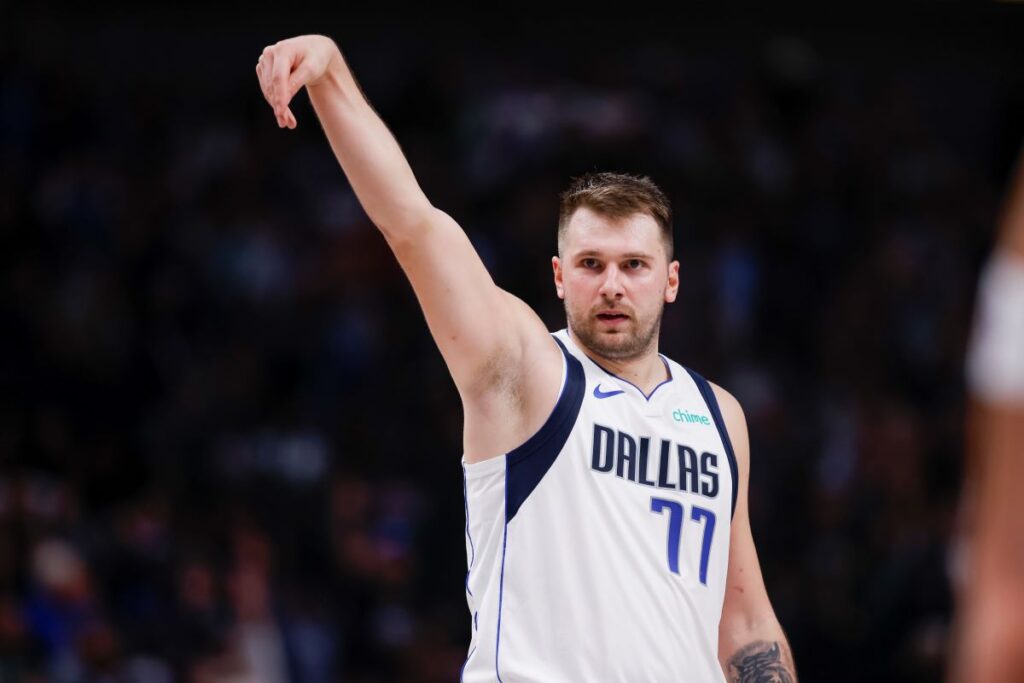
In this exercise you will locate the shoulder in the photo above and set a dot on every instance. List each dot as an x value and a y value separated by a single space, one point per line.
517 366
537 342
735 422
731 409
728 406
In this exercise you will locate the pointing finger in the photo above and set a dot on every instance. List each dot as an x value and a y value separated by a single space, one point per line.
273 92
279 83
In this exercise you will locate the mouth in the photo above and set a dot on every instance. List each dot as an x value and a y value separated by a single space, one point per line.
612 316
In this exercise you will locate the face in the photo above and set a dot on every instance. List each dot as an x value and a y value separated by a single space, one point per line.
615 279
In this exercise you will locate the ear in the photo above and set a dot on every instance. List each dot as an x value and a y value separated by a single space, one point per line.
672 289
556 266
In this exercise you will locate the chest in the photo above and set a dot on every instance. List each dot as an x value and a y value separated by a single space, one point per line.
669 442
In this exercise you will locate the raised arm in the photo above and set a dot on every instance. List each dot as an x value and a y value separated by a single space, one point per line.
751 644
485 334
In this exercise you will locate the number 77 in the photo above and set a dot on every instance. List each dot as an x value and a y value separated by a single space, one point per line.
675 523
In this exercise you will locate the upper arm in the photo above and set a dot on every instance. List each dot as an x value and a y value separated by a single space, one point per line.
481 330
747 611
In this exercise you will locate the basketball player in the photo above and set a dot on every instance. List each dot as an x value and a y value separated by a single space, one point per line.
607 533
990 623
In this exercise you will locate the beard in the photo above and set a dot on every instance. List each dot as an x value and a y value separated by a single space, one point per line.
622 345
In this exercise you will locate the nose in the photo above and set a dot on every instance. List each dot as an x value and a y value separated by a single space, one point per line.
611 286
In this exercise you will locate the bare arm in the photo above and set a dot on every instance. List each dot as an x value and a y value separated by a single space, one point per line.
989 633
751 645
484 333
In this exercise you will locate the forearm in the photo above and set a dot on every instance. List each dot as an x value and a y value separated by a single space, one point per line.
758 655
369 155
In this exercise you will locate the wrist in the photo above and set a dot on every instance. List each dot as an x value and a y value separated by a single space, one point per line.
335 75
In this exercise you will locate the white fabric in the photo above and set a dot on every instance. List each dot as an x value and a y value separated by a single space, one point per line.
995 359
580 579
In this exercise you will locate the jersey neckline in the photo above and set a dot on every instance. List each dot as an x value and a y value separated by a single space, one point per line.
647 397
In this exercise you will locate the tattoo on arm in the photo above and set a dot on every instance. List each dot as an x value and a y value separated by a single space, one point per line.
761 662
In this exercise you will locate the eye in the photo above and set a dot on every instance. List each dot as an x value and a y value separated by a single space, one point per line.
589 263
634 264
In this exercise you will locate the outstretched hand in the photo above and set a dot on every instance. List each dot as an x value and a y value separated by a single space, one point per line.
285 67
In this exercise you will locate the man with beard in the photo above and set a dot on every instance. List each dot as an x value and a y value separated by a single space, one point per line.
607 533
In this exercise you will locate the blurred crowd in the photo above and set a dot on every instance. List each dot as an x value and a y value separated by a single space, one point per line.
229 450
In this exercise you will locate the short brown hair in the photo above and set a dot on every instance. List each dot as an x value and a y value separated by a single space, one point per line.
617 195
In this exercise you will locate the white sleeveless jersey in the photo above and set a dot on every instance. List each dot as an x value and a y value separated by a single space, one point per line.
598 550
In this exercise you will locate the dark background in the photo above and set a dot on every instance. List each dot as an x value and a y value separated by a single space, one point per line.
229 450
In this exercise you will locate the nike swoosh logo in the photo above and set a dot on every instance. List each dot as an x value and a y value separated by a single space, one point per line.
605 394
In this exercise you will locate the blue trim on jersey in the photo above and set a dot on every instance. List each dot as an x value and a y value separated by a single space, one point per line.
709 397
527 464
647 397
501 581
472 548
462 671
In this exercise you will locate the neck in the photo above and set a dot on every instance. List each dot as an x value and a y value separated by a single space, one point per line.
646 370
